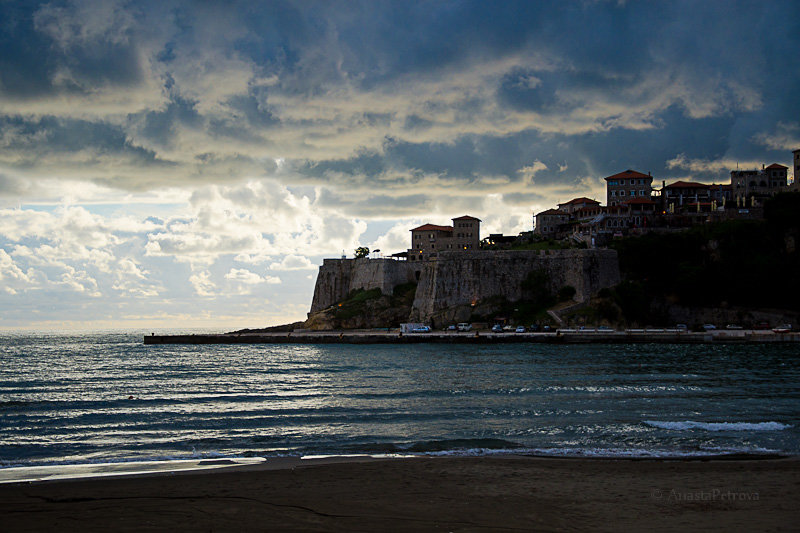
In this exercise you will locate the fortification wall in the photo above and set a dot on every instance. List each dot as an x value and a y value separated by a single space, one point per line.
458 278
338 277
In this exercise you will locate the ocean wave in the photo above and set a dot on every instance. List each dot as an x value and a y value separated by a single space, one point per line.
610 453
718 426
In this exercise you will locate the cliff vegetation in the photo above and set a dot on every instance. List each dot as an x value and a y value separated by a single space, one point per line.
366 309
725 271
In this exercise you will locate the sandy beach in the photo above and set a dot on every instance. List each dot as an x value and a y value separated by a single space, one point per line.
424 494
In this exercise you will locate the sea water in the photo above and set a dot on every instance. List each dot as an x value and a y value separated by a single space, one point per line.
108 398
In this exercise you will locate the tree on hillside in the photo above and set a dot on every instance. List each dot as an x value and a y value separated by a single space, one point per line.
362 251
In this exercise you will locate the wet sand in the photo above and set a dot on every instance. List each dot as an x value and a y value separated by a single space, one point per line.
423 494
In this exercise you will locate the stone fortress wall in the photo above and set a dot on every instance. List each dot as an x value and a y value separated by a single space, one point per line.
461 278
456 278
338 277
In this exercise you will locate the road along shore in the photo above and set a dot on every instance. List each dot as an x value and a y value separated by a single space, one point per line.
632 336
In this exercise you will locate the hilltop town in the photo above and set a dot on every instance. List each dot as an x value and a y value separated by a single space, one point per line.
634 206
577 267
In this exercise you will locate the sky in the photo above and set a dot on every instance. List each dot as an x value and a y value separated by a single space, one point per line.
175 164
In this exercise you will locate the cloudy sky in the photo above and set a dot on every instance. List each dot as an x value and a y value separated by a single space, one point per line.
189 164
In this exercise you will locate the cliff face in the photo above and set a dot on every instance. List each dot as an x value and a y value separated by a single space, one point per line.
459 279
339 277
448 285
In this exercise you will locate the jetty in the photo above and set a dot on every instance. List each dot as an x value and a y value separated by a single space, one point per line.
568 336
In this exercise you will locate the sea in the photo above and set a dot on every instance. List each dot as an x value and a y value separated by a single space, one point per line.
106 398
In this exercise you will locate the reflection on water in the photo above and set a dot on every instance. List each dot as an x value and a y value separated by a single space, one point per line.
108 397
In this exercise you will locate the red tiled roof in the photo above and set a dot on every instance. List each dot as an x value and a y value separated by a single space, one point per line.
552 212
581 200
433 227
467 217
628 174
777 166
687 185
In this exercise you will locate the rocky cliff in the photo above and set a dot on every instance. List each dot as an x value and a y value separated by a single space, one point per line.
456 280
449 285
338 278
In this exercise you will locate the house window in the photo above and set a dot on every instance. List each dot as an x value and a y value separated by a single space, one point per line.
622 193
641 193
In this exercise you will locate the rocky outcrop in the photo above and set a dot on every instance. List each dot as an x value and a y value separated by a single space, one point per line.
338 278
450 286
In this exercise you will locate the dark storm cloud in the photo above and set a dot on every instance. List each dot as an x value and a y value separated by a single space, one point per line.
27 139
398 94
38 56
379 205
161 126
11 186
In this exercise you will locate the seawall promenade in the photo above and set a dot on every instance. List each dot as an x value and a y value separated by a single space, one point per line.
481 337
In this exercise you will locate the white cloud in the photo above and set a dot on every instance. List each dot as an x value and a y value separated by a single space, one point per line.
242 275
253 221
397 238
721 167
202 283
293 262
12 277
528 172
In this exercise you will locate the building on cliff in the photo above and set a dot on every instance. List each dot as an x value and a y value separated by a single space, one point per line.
634 207
758 184
428 240
625 186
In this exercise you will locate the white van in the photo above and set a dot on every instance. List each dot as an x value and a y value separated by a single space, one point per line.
464 326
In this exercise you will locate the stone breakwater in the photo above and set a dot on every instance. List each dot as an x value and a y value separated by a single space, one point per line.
456 279
395 337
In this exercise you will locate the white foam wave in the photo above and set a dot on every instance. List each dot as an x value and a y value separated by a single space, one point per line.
609 453
718 426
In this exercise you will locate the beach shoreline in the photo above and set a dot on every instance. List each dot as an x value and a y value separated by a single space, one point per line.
476 493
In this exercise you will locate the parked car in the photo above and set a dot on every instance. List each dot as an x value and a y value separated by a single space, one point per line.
451 327
709 327
785 328
497 328
604 329
520 329
547 328
533 327
421 329
733 326
681 327
464 326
